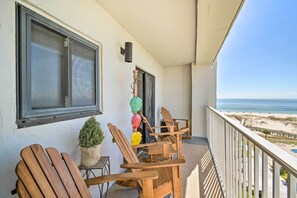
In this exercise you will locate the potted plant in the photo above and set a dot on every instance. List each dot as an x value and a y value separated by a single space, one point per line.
90 139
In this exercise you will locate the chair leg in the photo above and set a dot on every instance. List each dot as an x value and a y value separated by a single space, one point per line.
148 188
188 135
166 151
179 146
177 186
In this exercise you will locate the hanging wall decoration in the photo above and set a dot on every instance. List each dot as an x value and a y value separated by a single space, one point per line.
136 105
136 120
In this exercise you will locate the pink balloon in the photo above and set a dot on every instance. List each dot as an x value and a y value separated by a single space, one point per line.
136 120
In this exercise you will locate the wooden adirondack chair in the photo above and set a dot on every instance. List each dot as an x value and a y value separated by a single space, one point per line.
57 175
174 137
169 179
169 121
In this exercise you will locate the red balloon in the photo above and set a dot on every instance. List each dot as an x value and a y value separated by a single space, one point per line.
136 120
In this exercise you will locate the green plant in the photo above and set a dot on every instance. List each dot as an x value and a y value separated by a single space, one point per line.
266 132
284 173
91 133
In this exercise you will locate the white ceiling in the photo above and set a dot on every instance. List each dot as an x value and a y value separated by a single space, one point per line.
215 19
168 28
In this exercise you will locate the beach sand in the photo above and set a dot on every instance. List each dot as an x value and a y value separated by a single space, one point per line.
271 121
282 122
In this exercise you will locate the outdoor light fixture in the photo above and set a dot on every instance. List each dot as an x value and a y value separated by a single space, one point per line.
127 52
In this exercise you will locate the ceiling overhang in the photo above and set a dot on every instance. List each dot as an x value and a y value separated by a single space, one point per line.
176 32
214 21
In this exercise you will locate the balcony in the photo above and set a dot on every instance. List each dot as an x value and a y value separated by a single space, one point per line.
219 167
181 57
247 164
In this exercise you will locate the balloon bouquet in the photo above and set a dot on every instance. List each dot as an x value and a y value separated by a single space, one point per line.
136 105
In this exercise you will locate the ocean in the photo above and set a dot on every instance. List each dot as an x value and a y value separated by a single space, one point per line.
283 106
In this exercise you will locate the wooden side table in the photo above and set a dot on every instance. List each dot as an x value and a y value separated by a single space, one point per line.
104 165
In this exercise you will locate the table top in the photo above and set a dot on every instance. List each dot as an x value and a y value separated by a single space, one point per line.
99 165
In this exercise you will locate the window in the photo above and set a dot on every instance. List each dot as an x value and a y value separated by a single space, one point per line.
58 72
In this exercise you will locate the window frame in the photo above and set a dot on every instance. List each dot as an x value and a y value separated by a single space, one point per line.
26 116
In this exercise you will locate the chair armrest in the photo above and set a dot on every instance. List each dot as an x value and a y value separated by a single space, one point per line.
122 177
182 119
160 164
172 122
161 127
151 144
175 124
168 133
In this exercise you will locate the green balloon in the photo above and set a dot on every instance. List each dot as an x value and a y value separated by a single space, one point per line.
135 104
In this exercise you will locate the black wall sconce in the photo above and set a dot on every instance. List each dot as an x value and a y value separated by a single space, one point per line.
127 52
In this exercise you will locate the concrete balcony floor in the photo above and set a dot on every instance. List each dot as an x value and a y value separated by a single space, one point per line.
198 175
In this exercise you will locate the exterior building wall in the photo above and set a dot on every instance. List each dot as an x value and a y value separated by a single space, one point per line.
177 91
87 18
203 95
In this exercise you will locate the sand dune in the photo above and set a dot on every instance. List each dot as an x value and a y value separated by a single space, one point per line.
270 121
282 122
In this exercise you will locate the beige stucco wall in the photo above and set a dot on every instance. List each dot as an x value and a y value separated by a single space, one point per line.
188 90
203 95
177 91
84 17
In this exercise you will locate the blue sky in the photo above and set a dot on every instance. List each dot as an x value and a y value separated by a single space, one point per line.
259 56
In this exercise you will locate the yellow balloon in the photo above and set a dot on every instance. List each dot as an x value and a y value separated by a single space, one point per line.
136 138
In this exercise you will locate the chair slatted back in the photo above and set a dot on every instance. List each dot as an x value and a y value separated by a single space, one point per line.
167 117
123 144
148 126
48 175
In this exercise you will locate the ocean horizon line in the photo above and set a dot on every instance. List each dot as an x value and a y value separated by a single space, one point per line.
256 98
283 106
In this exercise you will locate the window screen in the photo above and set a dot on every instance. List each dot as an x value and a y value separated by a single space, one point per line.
83 75
48 68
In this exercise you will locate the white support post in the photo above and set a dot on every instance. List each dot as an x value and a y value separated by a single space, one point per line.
264 175
228 160
256 171
250 175
236 163
209 126
292 183
240 165
244 166
276 180
232 161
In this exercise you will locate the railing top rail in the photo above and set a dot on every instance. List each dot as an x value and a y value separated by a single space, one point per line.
286 160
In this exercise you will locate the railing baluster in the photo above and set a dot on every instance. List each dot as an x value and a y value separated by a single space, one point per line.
209 125
250 179
292 182
244 166
256 171
236 163
229 163
276 179
232 162
264 175
224 159
240 165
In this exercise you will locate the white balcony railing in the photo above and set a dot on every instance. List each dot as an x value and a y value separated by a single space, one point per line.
247 163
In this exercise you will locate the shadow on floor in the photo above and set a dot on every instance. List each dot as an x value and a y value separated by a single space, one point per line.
199 175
